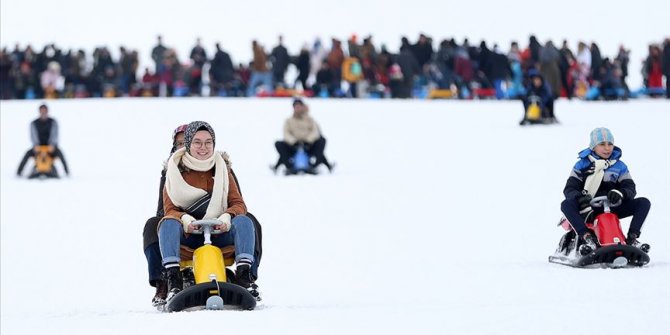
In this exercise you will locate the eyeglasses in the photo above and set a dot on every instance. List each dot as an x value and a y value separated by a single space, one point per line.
178 144
199 144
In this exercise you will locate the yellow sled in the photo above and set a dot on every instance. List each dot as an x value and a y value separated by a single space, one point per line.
213 288
44 163
534 112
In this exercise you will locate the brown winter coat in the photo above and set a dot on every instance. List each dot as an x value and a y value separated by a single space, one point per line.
260 62
204 180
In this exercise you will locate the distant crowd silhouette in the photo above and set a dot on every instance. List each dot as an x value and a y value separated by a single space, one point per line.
416 70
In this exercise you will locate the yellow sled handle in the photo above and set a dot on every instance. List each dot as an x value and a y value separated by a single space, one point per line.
207 227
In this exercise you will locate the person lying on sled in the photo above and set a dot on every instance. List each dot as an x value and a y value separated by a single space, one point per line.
600 171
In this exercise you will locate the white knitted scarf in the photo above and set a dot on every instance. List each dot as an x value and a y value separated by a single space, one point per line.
183 195
593 181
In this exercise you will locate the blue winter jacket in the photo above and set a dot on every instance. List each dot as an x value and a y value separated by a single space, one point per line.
616 176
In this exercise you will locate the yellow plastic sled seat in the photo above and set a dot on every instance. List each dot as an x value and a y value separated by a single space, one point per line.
186 254
43 160
534 112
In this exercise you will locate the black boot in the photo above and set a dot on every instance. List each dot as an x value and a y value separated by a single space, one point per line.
566 241
244 278
243 275
588 244
161 293
174 281
632 239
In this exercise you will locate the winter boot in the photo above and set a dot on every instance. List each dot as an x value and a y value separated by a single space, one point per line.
632 239
174 281
243 274
245 279
566 242
588 244
161 293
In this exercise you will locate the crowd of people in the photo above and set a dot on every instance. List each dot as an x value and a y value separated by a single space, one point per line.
352 69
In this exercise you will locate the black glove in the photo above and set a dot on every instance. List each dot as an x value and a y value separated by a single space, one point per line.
584 201
614 196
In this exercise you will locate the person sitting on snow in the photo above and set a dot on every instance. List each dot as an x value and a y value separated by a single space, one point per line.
539 92
198 173
301 130
599 172
43 132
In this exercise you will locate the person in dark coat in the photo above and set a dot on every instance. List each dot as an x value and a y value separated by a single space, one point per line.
423 50
280 60
325 84
596 61
564 67
302 63
499 70
221 73
199 57
538 91
43 132
622 59
158 53
150 237
534 47
600 172
410 68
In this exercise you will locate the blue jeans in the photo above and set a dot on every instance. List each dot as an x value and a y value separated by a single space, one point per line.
264 78
241 234
153 254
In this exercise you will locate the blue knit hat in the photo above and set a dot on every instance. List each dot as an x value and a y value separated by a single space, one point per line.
600 135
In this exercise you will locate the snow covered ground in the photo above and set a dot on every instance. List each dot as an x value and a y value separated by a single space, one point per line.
438 220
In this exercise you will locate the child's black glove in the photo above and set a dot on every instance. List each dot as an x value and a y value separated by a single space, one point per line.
614 196
584 201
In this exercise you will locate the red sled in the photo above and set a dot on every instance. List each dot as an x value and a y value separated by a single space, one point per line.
611 251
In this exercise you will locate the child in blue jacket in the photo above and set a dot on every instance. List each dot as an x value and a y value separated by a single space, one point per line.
598 172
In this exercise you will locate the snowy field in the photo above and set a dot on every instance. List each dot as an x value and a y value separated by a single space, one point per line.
438 219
